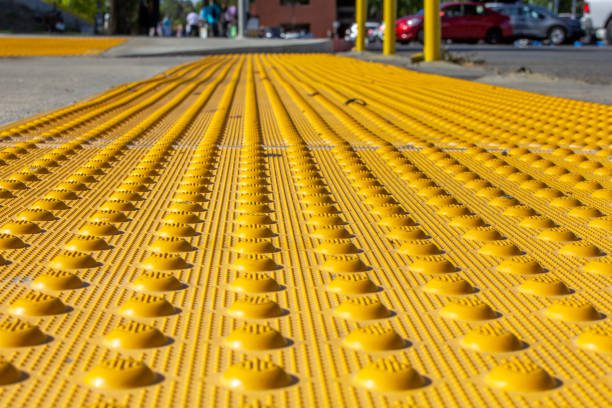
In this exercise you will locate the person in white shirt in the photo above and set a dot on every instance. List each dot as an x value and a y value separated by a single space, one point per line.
193 24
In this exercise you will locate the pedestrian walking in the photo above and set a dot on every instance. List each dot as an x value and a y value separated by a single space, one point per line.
166 27
224 20
193 24
211 15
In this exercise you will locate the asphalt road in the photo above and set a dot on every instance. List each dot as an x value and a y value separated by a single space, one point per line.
588 63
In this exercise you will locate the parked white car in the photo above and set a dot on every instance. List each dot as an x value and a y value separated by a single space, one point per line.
597 19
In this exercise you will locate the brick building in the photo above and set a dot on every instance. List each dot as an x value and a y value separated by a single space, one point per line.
314 16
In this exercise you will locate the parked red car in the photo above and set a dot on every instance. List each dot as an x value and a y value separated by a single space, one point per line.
467 22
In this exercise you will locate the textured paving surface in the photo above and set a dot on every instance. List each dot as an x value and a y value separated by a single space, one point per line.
293 231
18 46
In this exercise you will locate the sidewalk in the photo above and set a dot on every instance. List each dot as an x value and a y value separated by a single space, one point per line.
156 46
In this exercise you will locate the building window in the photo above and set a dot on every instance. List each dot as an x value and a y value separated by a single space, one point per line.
294 2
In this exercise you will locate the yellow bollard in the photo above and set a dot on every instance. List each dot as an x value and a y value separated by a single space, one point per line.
360 17
390 15
433 35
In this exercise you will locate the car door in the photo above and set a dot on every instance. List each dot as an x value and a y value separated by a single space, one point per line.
451 21
518 17
534 23
475 23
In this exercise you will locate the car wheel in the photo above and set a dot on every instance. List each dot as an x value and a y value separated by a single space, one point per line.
493 36
556 35
609 32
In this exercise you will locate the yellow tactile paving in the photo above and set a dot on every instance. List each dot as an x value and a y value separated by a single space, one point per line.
306 230
55 46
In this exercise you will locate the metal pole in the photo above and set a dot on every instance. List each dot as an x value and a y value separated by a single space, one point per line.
241 17
432 30
360 14
389 14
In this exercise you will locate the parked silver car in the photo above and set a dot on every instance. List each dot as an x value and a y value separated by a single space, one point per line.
371 28
529 21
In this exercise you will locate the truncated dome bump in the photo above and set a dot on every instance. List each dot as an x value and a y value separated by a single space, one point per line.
20 227
389 375
50 204
255 375
69 260
596 338
500 249
109 216
602 266
407 234
255 337
572 310
508 203
254 247
9 374
468 309
255 264
449 285
331 233
99 229
421 247
19 333
580 249
523 265
483 234
120 373
8 241
467 221
454 210
326 221
585 212
432 265
362 308
255 307
352 284
35 214
520 376
255 219
118 205
144 305
537 222
254 283
134 335
185 206
544 286
182 217
164 262
57 280
37 304
86 243
126 196
176 230
398 220
374 338
491 339
156 281
171 244
66 195
338 247
345 265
